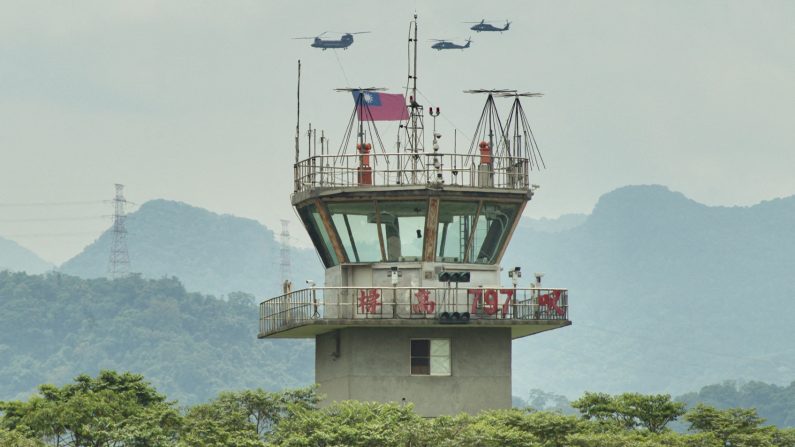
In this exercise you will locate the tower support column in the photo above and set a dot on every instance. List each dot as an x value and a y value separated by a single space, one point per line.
386 364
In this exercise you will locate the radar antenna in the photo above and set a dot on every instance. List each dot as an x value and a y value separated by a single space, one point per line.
522 138
489 126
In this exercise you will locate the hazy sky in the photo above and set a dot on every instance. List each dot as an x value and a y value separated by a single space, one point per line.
195 100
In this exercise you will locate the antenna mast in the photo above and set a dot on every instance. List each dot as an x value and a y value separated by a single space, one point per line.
414 67
415 138
298 112
285 256
119 262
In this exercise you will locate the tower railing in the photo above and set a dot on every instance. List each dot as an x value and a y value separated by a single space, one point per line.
451 305
408 169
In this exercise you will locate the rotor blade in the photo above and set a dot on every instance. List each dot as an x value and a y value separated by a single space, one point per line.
515 94
313 37
492 91
360 89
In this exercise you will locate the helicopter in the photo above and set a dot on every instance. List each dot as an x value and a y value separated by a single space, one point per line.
483 26
442 44
343 42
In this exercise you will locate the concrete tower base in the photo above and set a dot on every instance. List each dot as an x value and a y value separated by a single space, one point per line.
374 364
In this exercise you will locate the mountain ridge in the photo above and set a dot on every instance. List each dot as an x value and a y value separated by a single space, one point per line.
658 279
210 253
17 258
666 294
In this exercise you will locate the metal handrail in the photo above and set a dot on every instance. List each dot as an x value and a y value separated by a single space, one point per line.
409 169
445 304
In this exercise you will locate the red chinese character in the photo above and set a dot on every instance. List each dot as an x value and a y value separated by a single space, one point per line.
368 301
551 301
489 298
425 305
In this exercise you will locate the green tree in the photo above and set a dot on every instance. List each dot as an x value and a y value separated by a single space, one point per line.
243 418
733 426
641 439
601 407
13 438
352 423
631 410
215 425
110 410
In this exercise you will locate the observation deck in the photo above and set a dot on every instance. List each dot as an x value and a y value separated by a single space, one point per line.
436 170
306 313
410 207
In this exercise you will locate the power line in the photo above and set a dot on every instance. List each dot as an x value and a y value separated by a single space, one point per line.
33 235
32 204
56 219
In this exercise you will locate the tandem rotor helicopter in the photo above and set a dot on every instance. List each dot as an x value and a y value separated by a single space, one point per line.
483 26
442 44
345 40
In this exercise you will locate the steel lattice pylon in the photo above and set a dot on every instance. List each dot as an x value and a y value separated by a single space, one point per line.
119 262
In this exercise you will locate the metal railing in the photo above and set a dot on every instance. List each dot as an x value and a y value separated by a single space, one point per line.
445 304
408 169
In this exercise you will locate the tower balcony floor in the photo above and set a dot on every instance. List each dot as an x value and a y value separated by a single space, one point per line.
306 313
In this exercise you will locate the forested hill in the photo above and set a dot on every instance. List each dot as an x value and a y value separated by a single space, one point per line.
17 258
54 327
666 295
208 252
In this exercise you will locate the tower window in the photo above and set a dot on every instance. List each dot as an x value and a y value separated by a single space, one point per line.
430 357
473 232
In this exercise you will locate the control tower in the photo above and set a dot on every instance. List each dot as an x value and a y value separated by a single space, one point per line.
415 307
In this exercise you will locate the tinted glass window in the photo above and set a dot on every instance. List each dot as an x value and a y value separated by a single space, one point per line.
403 225
317 232
493 224
356 226
456 220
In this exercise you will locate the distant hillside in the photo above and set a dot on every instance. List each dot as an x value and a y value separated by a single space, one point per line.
546 225
774 403
208 252
666 294
17 258
190 346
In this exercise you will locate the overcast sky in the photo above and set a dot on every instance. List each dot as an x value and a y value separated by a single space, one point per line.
195 100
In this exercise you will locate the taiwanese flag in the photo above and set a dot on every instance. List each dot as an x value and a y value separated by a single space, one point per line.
377 106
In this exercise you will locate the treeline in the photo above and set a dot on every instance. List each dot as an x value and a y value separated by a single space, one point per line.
774 403
123 410
55 326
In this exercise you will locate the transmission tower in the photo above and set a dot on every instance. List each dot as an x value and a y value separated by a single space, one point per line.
285 256
119 262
